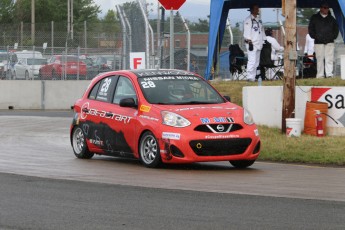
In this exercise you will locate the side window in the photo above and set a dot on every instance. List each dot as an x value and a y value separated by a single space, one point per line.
124 89
106 89
94 91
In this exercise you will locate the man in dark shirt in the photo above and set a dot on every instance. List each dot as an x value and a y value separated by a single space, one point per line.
324 29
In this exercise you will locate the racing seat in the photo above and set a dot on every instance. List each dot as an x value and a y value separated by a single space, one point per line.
238 63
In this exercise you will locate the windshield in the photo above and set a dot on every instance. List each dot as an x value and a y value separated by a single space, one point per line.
178 90
34 61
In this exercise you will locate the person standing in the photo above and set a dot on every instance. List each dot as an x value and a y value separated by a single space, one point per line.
309 46
254 36
324 29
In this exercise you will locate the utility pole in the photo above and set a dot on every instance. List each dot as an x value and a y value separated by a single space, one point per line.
290 57
32 21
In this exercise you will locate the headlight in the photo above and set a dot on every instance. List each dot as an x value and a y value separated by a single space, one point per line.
247 117
173 119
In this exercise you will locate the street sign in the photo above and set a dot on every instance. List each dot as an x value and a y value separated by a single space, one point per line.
172 4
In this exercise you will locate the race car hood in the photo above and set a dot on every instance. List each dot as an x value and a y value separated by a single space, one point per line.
204 110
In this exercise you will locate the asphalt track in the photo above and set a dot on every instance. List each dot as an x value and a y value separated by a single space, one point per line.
36 144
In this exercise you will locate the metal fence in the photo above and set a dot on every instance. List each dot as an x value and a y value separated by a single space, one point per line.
113 43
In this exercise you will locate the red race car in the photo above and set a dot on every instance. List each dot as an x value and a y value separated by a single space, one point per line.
162 116
60 65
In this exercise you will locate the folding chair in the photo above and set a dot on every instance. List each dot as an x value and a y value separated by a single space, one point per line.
275 70
238 63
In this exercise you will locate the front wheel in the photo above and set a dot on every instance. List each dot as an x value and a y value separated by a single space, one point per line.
242 163
149 151
80 148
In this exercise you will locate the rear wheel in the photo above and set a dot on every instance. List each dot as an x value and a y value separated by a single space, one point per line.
149 151
242 163
80 148
26 75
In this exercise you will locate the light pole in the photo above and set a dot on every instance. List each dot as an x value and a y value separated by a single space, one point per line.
33 21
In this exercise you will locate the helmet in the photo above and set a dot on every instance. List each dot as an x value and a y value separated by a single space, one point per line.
177 91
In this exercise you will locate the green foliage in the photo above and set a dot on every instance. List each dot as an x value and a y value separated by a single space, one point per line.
304 15
51 10
6 11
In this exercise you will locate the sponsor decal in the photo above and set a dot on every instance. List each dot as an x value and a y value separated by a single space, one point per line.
145 108
149 118
256 132
222 136
335 98
164 73
85 111
172 136
217 120
96 142
208 108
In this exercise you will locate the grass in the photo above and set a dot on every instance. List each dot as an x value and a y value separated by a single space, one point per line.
276 146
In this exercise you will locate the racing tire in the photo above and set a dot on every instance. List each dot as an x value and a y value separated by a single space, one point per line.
79 145
149 152
241 164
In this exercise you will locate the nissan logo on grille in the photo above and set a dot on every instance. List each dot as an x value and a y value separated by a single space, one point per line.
220 128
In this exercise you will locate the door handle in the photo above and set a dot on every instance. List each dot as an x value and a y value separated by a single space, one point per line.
85 110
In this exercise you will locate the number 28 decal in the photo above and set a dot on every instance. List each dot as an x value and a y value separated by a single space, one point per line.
148 84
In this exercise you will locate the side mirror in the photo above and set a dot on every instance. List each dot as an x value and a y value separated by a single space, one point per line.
227 98
128 102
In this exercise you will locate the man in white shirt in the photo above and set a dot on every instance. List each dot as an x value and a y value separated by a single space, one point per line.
275 49
309 45
254 36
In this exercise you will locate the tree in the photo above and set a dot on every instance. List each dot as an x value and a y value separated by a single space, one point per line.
6 11
201 26
52 10
304 15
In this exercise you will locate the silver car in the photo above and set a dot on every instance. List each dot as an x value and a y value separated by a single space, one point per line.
28 68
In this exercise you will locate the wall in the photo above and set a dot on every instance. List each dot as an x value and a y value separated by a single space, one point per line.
266 103
22 94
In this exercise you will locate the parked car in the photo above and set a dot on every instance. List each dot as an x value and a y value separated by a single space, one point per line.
14 56
59 65
91 69
106 63
3 64
28 68
162 116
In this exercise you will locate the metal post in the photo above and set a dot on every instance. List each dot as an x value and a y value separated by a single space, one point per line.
33 21
146 35
172 58
129 30
52 23
158 37
230 32
124 31
85 37
188 42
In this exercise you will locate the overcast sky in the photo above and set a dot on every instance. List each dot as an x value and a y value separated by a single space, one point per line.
192 10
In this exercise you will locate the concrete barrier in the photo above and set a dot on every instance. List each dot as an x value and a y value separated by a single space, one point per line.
23 94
